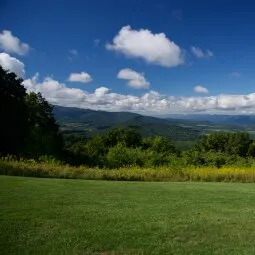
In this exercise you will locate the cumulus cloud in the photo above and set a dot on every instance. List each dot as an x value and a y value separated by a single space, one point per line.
197 52
201 89
153 48
12 64
152 102
12 44
135 79
80 77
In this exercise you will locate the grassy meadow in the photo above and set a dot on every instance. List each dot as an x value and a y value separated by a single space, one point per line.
56 216
31 168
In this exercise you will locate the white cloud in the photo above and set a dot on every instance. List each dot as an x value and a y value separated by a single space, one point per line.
73 52
153 48
197 52
152 103
135 79
235 74
80 77
12 64
101 91
12 44
201 89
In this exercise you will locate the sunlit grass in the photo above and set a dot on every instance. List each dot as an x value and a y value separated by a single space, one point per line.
57 216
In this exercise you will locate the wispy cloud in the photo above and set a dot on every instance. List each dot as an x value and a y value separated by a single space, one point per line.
235 74
197 52
73 54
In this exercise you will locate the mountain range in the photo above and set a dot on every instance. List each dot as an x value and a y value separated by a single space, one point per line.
180 128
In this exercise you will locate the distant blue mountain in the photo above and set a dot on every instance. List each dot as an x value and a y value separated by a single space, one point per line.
226 119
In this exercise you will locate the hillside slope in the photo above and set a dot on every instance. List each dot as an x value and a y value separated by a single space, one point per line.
90 122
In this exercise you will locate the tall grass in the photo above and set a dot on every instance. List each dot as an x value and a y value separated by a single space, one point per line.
31 168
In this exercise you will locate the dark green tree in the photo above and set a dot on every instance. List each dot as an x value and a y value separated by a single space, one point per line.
96 150
160 144
251 150
44 137
13 110
215 142
238 144
230 143
122 135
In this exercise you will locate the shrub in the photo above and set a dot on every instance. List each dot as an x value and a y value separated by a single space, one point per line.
121 156
216 159
154 159
50 160
193 158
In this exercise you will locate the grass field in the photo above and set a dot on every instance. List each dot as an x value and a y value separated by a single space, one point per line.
58 216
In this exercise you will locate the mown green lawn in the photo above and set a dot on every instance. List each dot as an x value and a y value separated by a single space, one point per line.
55 216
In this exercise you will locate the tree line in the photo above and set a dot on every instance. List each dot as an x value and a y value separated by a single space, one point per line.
29 130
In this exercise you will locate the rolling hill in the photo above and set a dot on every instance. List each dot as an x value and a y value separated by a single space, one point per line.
184 130
90 122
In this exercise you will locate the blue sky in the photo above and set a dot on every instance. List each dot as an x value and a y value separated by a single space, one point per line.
199 51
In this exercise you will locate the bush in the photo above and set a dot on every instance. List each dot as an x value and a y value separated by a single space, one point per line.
193 158
154 159
216 159
159 144
121 156
50 160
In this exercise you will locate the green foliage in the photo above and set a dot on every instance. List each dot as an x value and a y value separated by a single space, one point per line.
29 127
159 144
13 111
50 160
126 136
121 156
231 143
193 158
44 137
71 139
96 150
154 159
251 150
215 142
238 144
